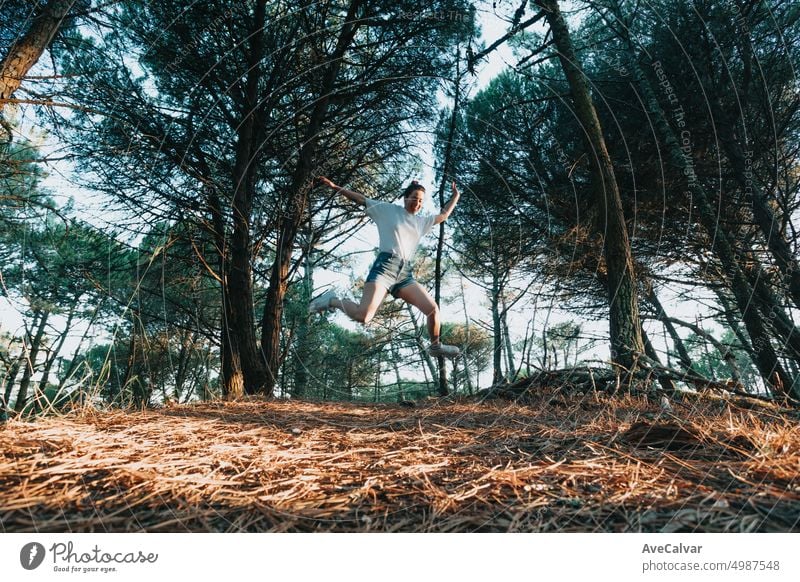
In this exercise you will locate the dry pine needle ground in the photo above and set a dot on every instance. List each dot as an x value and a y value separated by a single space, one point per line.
555 464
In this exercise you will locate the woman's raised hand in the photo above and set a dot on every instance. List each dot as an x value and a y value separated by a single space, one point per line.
326 181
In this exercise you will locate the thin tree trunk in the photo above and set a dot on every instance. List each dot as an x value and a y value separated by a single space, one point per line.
302 349
420 344
377 378
30 363
13 372
454 376
349 388
395 358
497 333
507 342
683 354
666 383
729 312
451 133
467 376
25 53
76 353
48 366
524 351
625 327
528 354
130 367
184 356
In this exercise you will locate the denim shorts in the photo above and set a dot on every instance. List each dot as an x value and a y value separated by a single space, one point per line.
391 271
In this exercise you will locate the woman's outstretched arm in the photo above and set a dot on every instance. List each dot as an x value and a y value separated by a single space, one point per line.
448 208
354 196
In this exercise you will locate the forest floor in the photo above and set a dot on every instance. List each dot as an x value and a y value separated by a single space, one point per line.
553 463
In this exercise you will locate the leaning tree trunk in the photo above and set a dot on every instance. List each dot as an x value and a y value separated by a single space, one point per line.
296 204
26 52
683 354
650 351
729 313
624 323
765 357
741 164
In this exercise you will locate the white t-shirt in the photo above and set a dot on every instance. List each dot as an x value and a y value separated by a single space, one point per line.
399 231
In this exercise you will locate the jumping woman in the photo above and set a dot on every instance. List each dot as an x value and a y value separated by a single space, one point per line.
399 230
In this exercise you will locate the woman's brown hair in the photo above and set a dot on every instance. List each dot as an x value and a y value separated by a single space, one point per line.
413 187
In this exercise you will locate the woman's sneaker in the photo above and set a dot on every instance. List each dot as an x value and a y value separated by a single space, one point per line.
443 350
321 303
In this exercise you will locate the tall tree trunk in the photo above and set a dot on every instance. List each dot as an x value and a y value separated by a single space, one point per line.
297 202
512 369
32 352
497 333
448 151
467 377
625 327
26 52
249 374
130 365
349 388
303 350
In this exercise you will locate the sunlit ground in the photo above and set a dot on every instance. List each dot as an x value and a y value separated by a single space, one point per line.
577 463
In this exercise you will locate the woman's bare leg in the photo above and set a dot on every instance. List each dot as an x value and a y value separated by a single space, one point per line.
364 311
418 296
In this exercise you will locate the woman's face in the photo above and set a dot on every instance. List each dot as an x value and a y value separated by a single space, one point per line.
414 201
